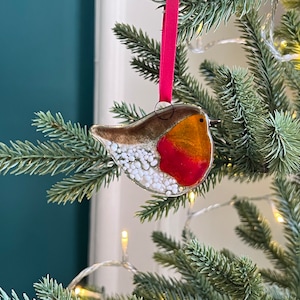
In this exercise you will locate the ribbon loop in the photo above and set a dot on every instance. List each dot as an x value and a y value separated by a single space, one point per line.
168 50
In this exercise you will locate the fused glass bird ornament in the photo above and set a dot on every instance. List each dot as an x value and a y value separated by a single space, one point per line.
168 152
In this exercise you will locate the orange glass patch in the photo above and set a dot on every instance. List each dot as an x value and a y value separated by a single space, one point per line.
186 151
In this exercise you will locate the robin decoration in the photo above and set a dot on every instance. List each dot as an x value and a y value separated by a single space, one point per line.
168 152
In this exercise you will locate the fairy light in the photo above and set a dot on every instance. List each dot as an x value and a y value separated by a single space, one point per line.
209 208
124 242
200 47
267 33
278 217
192 197
85 293
124 263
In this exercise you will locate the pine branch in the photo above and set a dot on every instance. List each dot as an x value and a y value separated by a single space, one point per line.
139 43
291 4
273 292
160 206
256 232
178 261
281 136
173 257
165 242
187 234
188 90
146 63
14 296
239 279
291 76
128 112
243 115
265 68
206 14
229 254
288 195
145 46
254 229
48 288
274 277
74 152
45 158
208 70
67 133
152 286
82 185
288 29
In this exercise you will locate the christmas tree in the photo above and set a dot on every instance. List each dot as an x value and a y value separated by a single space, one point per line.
257 137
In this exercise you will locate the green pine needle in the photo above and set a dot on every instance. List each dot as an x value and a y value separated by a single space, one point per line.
71 150
146 63
288 29
178 261
242 115
207 14
265 68
82 185
49 288
129 112
281 135
274 277
67 133
291 4
158 207
153 286
239 278
254 229
14 296
165 242
288 195
44 158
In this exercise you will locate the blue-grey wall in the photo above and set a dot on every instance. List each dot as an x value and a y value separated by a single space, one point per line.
46 63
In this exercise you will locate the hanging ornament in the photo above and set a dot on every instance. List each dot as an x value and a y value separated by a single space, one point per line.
170 151
167 152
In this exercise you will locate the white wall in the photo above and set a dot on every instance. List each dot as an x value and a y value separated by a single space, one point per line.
113 209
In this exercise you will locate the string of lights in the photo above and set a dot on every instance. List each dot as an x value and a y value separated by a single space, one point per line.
75 286
267 34
125 263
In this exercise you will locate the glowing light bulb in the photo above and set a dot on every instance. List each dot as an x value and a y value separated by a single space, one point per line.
192 197
84 293
278 217
77 290
281 45
124 241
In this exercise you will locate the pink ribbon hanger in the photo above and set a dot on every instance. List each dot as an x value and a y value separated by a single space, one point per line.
168 50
